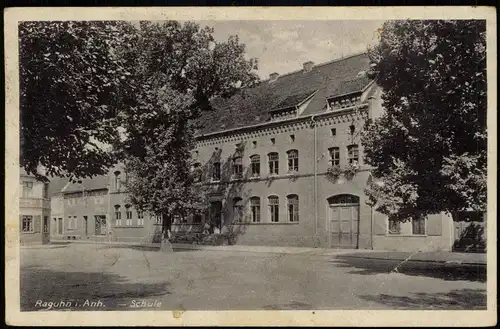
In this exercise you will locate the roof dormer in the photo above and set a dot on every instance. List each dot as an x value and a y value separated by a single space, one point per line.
292 106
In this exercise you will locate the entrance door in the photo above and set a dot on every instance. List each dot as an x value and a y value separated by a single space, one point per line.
216 213
60 226
344 221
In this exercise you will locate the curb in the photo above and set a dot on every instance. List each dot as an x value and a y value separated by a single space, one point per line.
446 263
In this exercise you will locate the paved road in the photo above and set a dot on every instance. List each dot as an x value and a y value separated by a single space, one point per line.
100 277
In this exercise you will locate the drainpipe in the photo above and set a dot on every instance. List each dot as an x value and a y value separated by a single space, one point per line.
108 215
315 179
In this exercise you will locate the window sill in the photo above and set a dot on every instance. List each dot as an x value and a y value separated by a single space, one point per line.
407 235
254 177
29 232
128 226
292 173
265 223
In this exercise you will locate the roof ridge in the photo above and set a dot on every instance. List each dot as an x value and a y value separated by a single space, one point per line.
338 59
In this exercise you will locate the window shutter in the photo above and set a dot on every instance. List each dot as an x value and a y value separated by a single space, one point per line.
435 225
37 224
20 223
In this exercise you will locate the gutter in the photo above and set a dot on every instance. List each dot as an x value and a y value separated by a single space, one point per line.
315 178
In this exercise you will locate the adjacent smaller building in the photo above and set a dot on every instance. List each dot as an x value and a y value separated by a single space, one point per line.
34 210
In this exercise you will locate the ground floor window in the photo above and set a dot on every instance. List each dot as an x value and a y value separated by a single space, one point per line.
255 209
72 223
128 214
418 226
27 224
293 207
394 226
274 208
197 219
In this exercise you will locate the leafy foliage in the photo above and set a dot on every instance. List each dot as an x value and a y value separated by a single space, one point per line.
70 81
178 70
429 147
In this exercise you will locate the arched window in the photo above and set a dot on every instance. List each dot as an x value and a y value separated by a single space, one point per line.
293 207
255 209
273 163
117 180
255 165
238 209
237 166
128 215
344 199
216 171
118 215
274 208
293 160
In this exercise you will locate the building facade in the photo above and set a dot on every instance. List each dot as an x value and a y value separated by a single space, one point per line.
34 210
283 165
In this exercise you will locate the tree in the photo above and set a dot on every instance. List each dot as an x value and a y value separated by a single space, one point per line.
179 70
70 85
429 148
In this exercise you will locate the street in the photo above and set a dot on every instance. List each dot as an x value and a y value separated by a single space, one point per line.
103 277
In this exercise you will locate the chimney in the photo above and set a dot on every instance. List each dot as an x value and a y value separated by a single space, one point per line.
308 66
273 77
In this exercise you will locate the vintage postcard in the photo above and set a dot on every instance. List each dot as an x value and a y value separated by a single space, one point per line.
305 166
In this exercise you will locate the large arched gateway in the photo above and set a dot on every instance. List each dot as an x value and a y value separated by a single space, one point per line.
343 221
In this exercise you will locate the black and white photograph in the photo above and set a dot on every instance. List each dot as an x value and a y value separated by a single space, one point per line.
203 164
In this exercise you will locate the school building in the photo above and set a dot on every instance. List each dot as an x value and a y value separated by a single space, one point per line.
283 164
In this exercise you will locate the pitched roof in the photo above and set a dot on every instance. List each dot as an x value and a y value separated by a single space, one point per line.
252 106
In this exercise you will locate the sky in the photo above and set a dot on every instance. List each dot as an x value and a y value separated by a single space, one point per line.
283 46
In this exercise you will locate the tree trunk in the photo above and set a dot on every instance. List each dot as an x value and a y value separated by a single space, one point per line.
166 246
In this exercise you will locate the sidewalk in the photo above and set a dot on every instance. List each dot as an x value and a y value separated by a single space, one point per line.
437 257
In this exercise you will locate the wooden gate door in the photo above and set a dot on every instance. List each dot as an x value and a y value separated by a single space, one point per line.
344 221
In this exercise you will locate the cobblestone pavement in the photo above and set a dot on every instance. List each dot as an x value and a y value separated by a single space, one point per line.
104 277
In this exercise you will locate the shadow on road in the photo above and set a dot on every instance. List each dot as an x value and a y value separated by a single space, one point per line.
416 268
43 285
290 306
455 299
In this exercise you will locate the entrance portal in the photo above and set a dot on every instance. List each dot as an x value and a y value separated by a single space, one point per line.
344 221
216 213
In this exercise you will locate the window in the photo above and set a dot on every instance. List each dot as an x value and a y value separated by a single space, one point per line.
418 226
293 207
237 209
273 141
128 215
333 131
45 224
273 163
334 156
292 138
293 160
27 189
27 224
353 154
196 219
158 219
237 167
394 226
255 165
274 208
117 180
46 191
72 223
118 216
254 144
216 171
140 218
255 209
